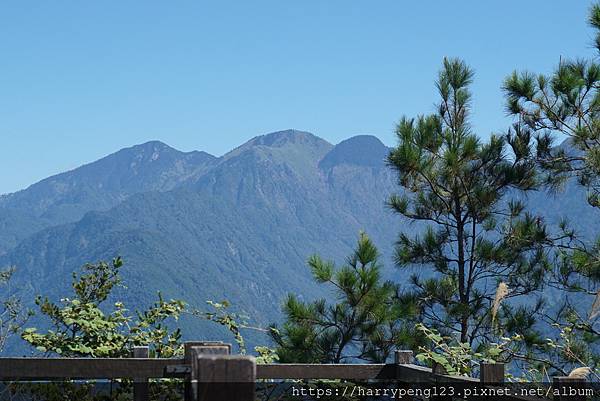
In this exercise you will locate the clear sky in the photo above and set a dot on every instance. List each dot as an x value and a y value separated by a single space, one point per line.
82 79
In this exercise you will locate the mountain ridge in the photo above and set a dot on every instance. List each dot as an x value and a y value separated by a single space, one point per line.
242 230
237 227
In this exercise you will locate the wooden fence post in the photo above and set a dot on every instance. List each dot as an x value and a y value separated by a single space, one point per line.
141 387
191 350
491 373
225 377
403 357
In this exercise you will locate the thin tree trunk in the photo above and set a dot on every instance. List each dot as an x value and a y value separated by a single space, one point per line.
463 297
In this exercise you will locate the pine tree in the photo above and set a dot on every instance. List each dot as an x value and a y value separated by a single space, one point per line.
566 103
472 239
367 321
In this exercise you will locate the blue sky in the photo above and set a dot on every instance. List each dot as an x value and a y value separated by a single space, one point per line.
82 79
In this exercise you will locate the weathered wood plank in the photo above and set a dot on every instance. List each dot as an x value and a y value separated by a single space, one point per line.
413 373
325 371
420 374
402 372
107 368
83 368
229 377
455 379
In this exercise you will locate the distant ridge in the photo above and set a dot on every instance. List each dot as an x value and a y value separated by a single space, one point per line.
238 227
100 185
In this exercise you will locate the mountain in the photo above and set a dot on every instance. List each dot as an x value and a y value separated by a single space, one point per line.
239 227
16 225
66 197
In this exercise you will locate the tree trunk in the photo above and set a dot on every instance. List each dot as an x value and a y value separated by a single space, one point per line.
463 296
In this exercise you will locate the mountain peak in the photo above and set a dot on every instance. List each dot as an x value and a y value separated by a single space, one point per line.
150 146
100 185
152 143
362 150
282 138
282 141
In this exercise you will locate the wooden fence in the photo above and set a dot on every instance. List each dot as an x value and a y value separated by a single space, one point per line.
209 366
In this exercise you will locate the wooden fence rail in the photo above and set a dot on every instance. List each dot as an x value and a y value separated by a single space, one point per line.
206 366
